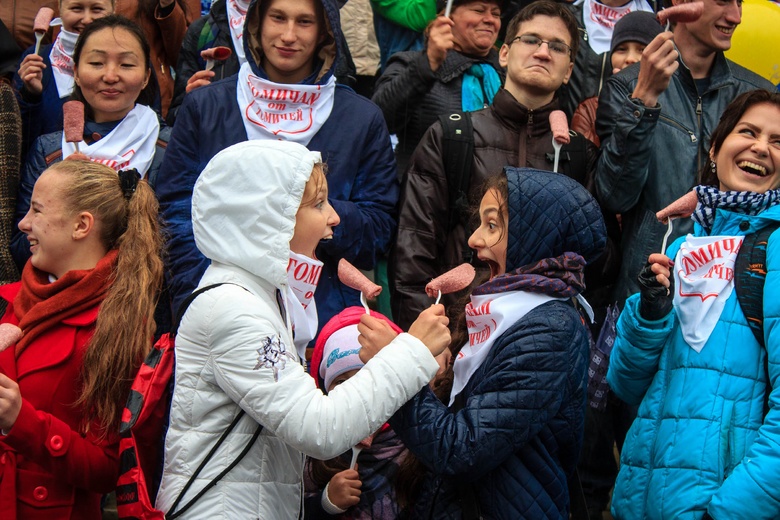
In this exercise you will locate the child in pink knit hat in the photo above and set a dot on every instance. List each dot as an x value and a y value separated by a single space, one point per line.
332 487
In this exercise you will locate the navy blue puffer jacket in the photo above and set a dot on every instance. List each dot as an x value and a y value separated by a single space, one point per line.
517 437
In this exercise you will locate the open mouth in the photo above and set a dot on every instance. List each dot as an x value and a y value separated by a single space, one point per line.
752 168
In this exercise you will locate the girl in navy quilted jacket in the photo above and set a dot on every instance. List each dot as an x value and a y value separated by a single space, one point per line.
508 440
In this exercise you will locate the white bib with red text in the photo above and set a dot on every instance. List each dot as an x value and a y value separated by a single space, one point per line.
704 279
600 19
303 275
61 58
131 144
236 13
488 316
289 112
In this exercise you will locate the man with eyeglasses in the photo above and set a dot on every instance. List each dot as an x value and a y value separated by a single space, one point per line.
538 55
655 119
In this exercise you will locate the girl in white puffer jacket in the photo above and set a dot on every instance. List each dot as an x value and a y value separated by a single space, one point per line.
257 208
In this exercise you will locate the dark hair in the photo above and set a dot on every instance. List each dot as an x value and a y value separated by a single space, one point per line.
546 8
113 21
731 116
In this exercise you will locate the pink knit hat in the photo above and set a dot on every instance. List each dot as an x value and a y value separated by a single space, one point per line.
336 349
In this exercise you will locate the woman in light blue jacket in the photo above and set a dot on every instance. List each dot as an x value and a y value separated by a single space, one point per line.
706 441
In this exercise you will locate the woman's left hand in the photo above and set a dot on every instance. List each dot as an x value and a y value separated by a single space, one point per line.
10 402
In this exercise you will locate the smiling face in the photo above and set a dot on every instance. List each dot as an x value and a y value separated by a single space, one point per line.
475 27
49 226
491 237
76 14
713 31
749 158
533 71
291 31
111 73
315 219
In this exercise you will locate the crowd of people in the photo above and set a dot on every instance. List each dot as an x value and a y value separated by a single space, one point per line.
623 267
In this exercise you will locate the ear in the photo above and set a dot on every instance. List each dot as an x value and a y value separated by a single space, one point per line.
83 225
503 55
568 73
713 158
146 79
76 76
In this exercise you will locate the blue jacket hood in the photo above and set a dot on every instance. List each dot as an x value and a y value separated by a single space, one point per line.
550 214
326 54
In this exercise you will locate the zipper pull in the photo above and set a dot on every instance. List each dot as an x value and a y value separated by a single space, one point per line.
693 137
698 106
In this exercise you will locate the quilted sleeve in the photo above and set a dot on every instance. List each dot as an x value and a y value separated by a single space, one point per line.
636 353
521 386
752 491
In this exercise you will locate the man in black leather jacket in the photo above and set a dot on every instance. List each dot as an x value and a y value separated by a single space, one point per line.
654 121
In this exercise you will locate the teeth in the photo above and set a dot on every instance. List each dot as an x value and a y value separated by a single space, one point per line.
726 30
756 168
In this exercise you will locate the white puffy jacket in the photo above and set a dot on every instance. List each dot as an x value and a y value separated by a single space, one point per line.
235 351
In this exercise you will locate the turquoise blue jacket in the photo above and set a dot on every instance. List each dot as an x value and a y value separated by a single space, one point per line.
700 441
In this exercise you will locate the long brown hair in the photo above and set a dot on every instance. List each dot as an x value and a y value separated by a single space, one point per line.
125 322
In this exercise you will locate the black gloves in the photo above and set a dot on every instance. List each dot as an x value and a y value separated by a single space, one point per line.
655 299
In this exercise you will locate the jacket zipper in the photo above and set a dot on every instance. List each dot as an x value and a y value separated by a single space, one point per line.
603 67
698 150
681 127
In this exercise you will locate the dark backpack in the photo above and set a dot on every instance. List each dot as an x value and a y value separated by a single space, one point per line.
749 277
142 432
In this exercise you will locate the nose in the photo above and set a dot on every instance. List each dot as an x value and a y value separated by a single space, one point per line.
110 74
760 147
289 32
475 240
24 224
734 12
545 53
632 58
334 218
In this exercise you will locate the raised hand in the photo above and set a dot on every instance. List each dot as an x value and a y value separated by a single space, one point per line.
440 40
31 73
375 334
659 61
430 327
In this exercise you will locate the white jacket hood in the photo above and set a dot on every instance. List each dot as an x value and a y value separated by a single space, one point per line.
244 205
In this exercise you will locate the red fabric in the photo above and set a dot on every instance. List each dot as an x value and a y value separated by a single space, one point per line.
49 468
40 304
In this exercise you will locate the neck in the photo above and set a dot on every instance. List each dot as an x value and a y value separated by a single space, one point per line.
528 99
697 57
286 79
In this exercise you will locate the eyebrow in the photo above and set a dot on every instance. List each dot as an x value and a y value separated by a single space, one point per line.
99 51
489 211
755 128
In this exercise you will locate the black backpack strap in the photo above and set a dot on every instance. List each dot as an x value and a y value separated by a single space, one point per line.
215 480
171 515
458 158
749 277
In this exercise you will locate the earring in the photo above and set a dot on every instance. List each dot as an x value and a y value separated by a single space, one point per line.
712 167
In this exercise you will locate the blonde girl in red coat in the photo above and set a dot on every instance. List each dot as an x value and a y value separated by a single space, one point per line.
85 306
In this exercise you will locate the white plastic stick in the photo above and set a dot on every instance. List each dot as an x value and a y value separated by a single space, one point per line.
38 37
364 303
448 8
557 147
355 452
666 236
438 298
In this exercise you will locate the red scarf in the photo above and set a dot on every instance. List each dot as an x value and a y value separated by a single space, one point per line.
41 304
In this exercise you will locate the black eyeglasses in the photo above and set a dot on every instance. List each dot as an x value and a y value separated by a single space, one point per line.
530 40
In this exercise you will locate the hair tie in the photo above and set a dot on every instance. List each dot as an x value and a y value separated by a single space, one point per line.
128 181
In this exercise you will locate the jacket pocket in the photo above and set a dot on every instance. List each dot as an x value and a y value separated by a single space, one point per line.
726 459
40 490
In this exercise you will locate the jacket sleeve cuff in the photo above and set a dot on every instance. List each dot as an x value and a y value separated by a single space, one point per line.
329 506
423 68
32 433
